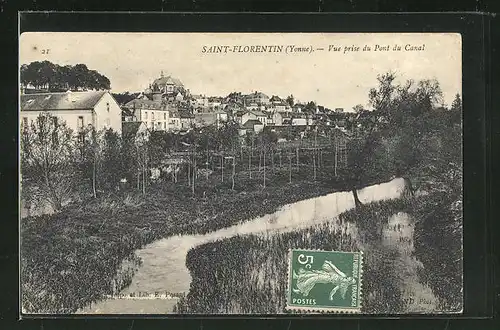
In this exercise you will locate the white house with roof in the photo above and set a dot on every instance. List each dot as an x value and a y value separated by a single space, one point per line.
243 116
200 100
155 114
77 109
251 125
216 118
258 98
275 118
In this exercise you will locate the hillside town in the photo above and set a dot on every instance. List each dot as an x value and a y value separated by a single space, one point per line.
167 105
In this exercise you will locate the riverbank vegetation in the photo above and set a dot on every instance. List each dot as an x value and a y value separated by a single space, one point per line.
74 257
261 260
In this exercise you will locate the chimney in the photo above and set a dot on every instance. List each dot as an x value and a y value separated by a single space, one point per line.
69 95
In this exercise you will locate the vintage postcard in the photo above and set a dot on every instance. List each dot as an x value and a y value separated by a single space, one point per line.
240 173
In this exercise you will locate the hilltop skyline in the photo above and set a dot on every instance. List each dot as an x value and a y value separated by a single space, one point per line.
335 80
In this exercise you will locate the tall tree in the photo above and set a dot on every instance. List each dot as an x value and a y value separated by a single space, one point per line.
112 160
358 108
457 103
267 142
142 161
360 148
47 152
310 108
89 163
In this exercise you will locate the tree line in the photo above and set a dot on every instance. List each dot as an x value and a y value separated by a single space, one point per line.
57 164
53 77
409 134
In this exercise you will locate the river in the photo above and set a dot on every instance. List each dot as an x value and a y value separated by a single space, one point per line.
163 262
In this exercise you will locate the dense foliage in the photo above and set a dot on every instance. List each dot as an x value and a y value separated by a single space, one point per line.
53 77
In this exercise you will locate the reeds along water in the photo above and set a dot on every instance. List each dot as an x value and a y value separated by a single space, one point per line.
164 260
392 284
251 273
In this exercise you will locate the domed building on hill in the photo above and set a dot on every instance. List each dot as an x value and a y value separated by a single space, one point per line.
158 106
165 87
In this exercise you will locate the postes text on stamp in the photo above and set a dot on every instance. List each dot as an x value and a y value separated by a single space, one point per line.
324 281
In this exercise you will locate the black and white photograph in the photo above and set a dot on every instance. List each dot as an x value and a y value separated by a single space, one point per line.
174 173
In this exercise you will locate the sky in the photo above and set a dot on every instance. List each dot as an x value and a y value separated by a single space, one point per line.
334 79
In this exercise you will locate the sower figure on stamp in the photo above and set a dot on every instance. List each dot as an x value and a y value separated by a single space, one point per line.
307 279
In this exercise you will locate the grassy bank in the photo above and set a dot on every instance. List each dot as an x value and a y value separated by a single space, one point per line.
74 258
250 272
247 274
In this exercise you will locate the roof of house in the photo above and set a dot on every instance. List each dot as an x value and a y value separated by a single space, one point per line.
251 123
168 80
61 101
275 98
285 114
144 104
185 114
206 117
257 94
174 113
258 113
128 112
130 128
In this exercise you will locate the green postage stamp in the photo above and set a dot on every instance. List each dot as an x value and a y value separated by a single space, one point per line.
324 281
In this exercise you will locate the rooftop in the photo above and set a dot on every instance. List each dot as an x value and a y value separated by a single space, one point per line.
168 80
145 104
61 101
130 128
251 123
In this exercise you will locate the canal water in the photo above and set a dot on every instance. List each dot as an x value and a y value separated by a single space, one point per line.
163 268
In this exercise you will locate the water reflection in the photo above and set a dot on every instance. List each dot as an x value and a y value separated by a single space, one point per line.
164 270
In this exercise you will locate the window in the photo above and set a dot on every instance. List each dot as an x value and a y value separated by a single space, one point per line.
81 139
107 106
165 116
41 121
145 115
152 125
25 122
80 122
152 115
165 125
